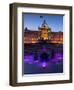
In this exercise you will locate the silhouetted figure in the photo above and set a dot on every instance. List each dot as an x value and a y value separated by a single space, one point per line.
35 56
44 57
52 54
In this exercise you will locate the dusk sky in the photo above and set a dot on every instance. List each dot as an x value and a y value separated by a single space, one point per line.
33 21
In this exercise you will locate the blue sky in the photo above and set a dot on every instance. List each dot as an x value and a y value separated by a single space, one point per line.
33 21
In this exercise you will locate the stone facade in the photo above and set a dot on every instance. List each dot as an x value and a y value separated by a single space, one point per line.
43 33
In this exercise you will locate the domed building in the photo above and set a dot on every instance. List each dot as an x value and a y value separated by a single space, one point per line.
44 33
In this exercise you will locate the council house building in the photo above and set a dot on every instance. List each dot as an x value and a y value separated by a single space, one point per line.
45 33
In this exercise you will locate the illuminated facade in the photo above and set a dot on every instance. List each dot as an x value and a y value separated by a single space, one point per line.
43 33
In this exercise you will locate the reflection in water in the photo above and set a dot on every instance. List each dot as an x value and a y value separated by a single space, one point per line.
43 59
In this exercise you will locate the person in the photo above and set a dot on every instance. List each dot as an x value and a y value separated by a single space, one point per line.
44 57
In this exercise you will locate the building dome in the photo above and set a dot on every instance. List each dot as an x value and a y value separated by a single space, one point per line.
44 24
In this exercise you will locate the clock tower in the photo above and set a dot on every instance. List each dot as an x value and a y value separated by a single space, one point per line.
44 31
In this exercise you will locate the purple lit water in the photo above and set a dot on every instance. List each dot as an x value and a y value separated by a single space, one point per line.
40 59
